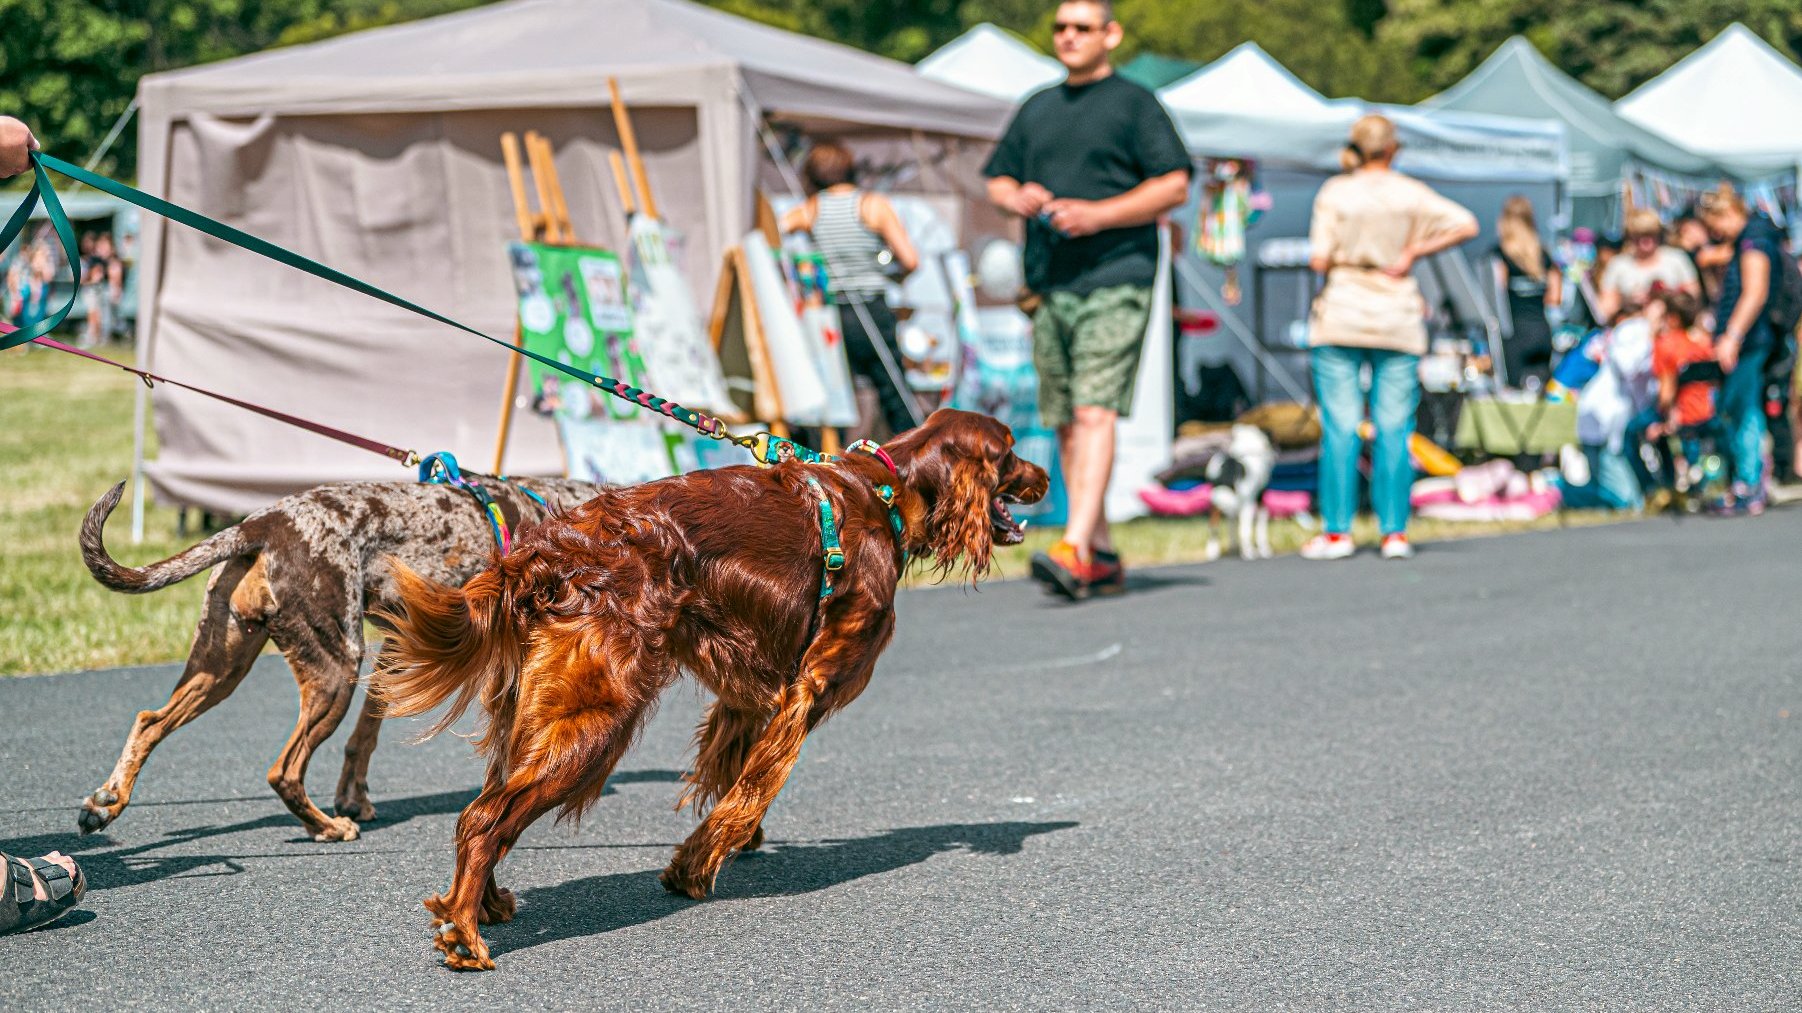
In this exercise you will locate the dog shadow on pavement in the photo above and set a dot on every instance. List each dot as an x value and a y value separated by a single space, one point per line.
109 866
599 904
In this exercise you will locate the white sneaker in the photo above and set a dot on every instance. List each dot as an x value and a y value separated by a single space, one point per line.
1397 547
1324 546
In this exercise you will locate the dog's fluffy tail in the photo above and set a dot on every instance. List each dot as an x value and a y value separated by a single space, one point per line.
144 579
449 643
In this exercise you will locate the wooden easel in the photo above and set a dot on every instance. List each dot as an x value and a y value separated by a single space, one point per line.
734 293
550 224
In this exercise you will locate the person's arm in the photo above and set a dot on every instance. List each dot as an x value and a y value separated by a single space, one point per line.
800 217
1445 224
16 146
1323 227
1142 205
1609 303
1023 199
880 216
1667 393
1754 286
1554 287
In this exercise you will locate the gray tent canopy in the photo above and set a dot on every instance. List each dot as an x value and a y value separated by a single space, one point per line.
378 153
1517 80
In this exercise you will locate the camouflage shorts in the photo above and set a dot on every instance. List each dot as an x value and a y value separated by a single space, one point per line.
1086 348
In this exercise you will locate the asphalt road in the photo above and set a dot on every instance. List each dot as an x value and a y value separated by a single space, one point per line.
1544 772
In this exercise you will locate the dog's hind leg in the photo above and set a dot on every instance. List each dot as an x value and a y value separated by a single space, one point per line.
226 643
324 658
352 799
722 743
558 759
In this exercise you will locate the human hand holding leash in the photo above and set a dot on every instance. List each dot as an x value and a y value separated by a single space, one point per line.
16 146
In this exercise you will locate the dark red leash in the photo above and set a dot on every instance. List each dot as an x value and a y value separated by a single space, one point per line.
406 457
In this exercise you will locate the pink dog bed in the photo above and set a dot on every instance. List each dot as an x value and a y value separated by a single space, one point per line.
1178 502
1531 506
1286 502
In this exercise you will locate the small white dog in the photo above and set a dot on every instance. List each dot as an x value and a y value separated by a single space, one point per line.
1239 477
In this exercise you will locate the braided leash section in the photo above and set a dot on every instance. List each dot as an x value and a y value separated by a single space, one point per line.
706 425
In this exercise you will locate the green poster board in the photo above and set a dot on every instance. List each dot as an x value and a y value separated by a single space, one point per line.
573 307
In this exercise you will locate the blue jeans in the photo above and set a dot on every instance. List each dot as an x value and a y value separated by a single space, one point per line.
1742 409
1612 485
1394 398
1635 443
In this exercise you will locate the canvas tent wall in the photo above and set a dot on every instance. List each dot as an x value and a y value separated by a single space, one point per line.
1736 100
378 153
1246 105
1605 147
992 61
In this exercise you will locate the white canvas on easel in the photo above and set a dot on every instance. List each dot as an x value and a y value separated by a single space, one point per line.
679 359
792 360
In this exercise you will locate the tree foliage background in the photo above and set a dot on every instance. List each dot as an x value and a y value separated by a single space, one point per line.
70 67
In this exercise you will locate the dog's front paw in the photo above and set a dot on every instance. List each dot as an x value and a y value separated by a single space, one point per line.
679 880
756 840
99 810
463 950
336 828
498 906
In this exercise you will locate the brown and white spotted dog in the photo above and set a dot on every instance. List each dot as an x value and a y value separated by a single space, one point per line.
303 572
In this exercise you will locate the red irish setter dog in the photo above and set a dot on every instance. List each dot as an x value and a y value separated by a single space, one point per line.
567 641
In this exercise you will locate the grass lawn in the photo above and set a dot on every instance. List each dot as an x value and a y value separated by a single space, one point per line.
65 438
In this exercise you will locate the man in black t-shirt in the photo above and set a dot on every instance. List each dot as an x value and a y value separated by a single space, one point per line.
1090 163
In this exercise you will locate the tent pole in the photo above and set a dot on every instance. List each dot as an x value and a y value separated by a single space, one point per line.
1234 324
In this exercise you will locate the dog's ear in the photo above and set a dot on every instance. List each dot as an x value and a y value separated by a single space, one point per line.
958 526
953 462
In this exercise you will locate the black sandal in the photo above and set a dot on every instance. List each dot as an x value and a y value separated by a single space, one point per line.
20 908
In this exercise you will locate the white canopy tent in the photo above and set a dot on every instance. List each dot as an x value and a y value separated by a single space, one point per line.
1247 105
992 61
1736 100
378 153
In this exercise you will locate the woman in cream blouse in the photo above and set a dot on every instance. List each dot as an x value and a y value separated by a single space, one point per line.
1370 225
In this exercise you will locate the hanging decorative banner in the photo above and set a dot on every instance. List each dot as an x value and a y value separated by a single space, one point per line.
1231 204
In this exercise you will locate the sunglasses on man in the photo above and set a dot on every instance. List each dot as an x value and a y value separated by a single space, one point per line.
1080 28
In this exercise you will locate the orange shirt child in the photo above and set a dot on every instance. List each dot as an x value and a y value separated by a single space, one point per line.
1689 404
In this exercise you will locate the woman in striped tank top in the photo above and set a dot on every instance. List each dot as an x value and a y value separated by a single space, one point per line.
852 228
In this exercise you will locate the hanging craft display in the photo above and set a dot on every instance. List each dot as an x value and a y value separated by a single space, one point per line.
1232 201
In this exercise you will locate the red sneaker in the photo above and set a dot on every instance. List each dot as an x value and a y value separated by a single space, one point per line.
1064 571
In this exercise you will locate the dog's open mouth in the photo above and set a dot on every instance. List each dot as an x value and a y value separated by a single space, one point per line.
1008 531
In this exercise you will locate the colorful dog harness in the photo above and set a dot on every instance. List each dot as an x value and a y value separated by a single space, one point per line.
441 469
832 550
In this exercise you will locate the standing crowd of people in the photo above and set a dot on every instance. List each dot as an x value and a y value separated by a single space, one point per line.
1695 353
